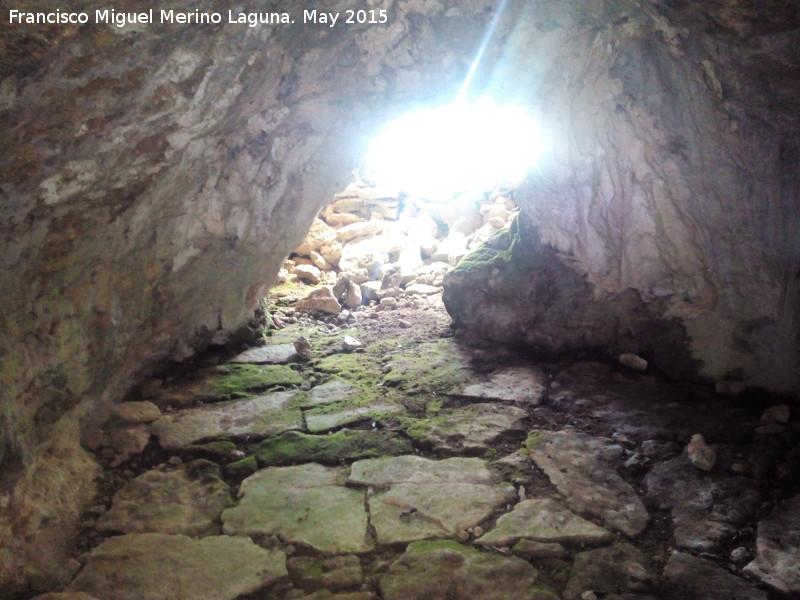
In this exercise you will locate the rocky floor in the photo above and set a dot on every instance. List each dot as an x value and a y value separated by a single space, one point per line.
401 465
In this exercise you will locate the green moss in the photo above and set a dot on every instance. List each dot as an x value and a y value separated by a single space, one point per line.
425 546
215 450
241 381
242 468
293 447
534 438
427 367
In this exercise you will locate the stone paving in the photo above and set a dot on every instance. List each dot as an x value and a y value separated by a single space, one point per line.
416 468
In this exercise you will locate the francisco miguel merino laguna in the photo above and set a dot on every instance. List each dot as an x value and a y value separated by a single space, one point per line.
111 16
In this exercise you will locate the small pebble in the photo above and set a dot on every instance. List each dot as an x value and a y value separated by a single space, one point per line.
637 363
701 455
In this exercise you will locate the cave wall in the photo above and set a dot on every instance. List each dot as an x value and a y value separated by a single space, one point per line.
669 183
153 179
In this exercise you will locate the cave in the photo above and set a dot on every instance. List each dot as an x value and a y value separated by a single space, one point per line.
593 395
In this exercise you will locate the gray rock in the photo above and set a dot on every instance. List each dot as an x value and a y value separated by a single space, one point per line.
306 504
686 576
530 549
329 392
137 412
426 498
188 501
544 520
325 419
349 343
173 567
525 385
706 510
470 429
700 454
637 363
253 417
617 569
127 441
445 569
320 300
308 273
352 296
334 573
275 354
777 561
590 485
422 289
415 469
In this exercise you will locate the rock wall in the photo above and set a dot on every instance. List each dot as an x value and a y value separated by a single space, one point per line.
664 218
153 179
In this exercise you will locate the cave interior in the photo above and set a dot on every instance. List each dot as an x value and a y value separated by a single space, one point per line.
400 299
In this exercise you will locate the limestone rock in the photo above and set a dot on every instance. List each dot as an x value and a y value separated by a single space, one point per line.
188 500
529 549
319 235
319 261
173 567
252 417
427 499
706 509
334 573
777 561
359 230
687 576
329 392
543 520
617 569
352 296
324 419
294 447
472 429
446 569
422 289
137 412
127 441
700 454
320 300
274 354
590 486
303 347
349 343
308 274
637 363
525 385
306 504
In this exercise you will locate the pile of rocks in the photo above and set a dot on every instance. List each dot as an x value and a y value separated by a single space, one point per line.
371 246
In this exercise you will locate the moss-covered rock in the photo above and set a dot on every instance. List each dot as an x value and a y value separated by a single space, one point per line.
239 381
293 447
243 467
214 450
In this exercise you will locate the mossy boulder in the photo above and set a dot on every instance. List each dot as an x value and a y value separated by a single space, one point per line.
240 381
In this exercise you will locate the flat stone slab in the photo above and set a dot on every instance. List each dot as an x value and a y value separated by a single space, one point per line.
307 504
255 417
525 385
318 420
612 572
707 509
686 576
416 511
294 447
446 569
187 500
329 392
277 354
573 462
427 498
142 566
543 520
777 561
470 429
415 469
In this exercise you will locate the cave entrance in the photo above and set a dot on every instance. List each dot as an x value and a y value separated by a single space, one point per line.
435 183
